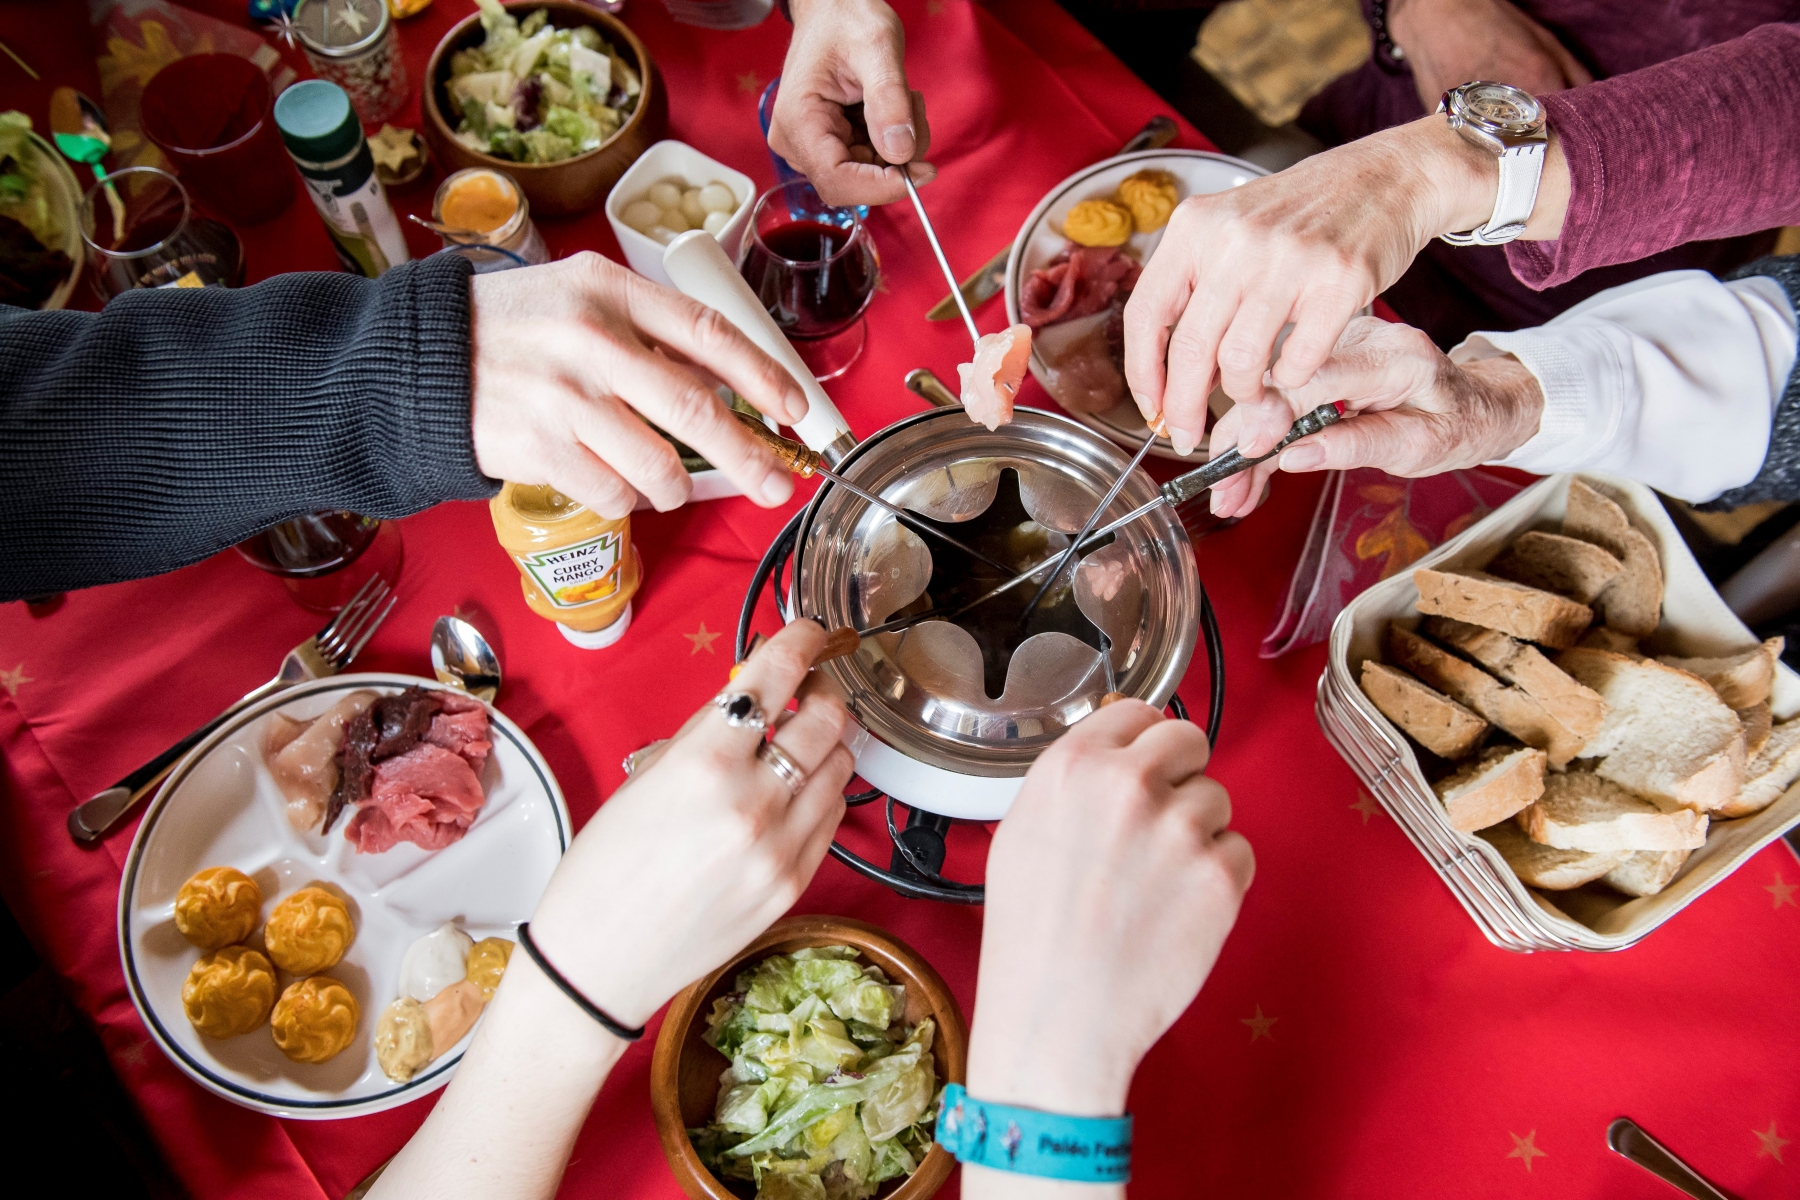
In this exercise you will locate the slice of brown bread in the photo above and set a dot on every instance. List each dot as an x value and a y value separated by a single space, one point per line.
1542 867
1435 721
1757 721
1632 602
1743 679
1491 788
1667 735
1565 565
1578 708
1770 773
1508 707
1602 638
1579 811
1481 599
1646 872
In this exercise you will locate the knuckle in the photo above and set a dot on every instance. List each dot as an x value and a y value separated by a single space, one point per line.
1187 344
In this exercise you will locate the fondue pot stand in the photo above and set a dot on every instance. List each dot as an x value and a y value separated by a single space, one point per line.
950 712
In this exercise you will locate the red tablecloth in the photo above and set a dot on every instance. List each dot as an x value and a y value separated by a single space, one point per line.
1359 1037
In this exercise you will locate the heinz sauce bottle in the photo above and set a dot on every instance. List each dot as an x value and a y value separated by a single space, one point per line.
576 567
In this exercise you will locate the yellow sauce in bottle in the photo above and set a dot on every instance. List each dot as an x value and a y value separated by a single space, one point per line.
576 567
480 201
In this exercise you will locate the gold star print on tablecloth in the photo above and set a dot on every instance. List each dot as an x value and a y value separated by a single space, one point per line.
702 640
748 82
14 679
1525 1148
1772 1142
1259 1025
1782 891
1365 804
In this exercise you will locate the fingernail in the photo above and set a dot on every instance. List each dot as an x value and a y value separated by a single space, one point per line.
1303 458
1183 439
777 488
898 142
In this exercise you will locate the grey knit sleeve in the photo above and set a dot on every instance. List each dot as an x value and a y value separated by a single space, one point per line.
1779 478
176 422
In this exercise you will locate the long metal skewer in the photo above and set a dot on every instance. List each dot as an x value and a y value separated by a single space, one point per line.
805 462
1177 491
1093 519
962 305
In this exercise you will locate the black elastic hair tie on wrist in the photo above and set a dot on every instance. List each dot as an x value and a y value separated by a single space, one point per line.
623 1032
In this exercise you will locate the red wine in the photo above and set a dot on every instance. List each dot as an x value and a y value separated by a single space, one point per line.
807 296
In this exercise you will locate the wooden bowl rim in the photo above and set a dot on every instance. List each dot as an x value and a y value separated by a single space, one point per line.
592 16
809 929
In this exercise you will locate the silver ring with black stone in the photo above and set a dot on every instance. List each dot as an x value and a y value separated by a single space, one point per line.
741 711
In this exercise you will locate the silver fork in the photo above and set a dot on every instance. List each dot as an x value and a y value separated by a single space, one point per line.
324 654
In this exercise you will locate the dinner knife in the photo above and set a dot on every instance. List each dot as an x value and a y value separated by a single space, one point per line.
986 283
1626 1137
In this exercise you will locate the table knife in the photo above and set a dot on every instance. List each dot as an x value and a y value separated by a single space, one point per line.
986 283
1626 1137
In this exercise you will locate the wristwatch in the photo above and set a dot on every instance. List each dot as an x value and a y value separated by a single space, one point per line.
1507 122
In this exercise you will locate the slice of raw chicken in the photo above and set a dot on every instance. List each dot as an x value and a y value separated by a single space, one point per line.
302 756
992 380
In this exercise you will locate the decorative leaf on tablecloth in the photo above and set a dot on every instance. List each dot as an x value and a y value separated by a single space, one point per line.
125 61
1394 537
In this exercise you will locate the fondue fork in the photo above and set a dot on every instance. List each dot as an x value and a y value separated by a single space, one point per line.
806 463
931 236
1093 519
1176 492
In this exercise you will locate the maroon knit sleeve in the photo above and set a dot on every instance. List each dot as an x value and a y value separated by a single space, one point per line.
1701 146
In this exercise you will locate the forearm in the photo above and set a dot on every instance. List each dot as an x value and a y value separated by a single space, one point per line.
173 424
507 1123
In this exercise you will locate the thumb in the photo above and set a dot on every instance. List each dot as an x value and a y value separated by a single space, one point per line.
887 101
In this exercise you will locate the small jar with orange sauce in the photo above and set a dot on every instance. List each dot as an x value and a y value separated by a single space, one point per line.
576 567
490 220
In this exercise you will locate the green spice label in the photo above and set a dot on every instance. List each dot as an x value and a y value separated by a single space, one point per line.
576 575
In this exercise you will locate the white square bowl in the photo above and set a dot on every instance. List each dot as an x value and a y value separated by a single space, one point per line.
643 253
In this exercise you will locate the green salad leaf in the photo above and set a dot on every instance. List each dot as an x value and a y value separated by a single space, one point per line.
23 196
534 93
829 1092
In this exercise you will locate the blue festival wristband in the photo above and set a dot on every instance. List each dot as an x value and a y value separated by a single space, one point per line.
1027 1141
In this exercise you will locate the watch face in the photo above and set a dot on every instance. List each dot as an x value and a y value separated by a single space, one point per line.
1503 108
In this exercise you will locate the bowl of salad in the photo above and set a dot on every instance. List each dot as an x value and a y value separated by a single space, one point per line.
560 96
809 1068
40 235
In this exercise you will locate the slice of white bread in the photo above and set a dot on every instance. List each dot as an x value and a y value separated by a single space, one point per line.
1530 614
1646 872
1540 866
1487 790
1579 811
1565 565
1577 707
1757 721
1435 721
1667 735
1742 679
1602 638
1632 602
1769 773
1508 707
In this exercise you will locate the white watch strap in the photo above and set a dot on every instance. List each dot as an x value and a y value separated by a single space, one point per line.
1521 167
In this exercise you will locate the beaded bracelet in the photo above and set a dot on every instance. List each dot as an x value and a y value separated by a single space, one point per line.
1028 1141
623 1032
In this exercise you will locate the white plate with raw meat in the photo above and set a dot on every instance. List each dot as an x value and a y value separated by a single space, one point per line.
448 813
1072 354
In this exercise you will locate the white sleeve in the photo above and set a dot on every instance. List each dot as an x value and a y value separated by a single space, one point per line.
1672 380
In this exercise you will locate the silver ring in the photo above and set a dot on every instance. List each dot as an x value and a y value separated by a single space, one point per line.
784 766
741 711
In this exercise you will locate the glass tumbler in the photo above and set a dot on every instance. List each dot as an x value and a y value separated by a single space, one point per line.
324 558
213 115
351 43
158 240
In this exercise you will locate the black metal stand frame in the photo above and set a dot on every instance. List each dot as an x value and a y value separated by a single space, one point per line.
915 868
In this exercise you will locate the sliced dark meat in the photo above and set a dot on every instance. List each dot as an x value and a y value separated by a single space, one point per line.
402 720
356 767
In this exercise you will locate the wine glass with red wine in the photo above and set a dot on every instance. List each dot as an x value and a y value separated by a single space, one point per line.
814 267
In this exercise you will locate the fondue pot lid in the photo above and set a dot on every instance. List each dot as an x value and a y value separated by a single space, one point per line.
984 694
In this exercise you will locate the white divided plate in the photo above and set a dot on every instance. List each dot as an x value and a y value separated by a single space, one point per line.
1197 172
221 807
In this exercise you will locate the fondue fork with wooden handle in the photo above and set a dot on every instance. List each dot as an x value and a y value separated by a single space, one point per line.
324 654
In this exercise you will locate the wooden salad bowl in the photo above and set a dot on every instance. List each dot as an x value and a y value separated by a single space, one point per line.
574 184
684 1072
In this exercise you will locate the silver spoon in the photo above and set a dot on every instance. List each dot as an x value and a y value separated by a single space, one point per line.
1624 1136
462 658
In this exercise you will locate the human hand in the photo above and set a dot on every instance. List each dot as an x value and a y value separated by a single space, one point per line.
570 359
1409 410
1452 42
1110 888
704 848
846 53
